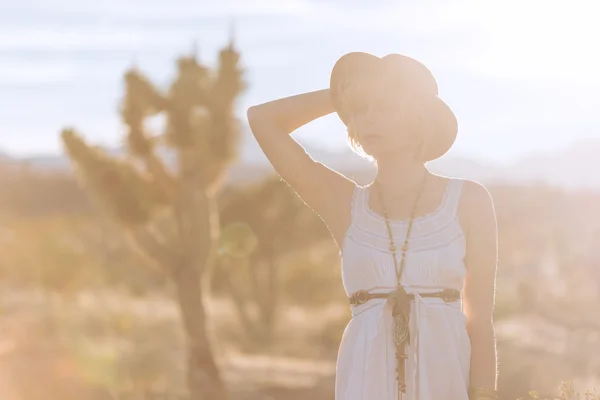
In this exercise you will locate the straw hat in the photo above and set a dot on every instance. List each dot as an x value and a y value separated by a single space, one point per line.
403 73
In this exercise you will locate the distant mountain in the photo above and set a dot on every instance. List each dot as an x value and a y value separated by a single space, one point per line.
4 156
576 167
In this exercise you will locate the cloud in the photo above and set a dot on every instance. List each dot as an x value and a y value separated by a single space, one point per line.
94 38
287 46
19 74
416 18
60 25
136 10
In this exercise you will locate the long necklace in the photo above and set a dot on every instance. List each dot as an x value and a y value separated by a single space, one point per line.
401 299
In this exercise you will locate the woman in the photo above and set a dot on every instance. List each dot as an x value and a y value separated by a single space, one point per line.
411 242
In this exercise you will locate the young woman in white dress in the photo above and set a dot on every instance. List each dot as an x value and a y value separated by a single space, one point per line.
419 250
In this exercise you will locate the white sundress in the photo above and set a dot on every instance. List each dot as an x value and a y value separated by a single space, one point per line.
439 352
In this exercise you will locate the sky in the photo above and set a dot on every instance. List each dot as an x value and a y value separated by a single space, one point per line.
522 76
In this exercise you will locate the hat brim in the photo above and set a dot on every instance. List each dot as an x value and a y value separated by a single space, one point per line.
441 125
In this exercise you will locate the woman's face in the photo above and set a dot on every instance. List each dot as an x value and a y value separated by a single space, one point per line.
382 122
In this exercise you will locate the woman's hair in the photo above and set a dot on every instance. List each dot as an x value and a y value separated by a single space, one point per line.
355 145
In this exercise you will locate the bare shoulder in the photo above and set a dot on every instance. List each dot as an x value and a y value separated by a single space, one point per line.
336 200
474 192
476 206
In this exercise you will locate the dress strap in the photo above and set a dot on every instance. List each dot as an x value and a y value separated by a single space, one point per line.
357 200
355 205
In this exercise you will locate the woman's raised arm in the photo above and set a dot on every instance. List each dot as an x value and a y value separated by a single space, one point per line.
324 190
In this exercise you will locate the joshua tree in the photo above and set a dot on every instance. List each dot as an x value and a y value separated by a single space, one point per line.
163 192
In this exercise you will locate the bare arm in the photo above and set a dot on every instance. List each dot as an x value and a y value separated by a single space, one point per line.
321 188
479 220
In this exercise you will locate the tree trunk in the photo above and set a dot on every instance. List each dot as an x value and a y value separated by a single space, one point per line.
204 380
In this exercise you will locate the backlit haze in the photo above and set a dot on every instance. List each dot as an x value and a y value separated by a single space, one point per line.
109 285
522 76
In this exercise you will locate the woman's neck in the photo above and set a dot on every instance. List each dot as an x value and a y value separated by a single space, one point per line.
398 174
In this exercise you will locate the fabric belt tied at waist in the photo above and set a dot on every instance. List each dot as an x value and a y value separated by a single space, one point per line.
362 296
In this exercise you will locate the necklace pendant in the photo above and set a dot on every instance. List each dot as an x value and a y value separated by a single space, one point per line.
401 314
400 331
401 337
